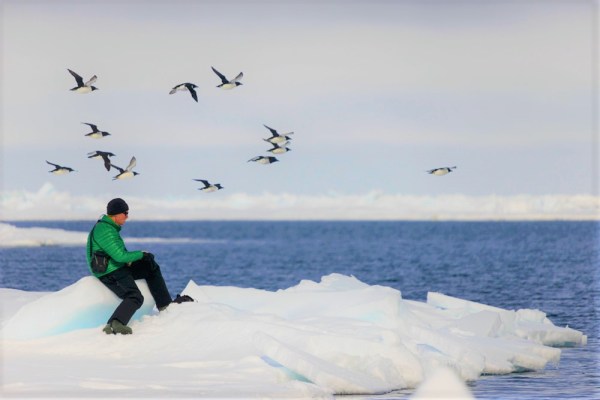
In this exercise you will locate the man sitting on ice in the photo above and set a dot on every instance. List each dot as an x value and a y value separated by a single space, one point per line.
117 268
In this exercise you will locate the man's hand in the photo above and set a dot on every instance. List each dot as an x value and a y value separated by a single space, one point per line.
148 256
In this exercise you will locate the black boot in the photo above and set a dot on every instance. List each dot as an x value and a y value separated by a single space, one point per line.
182 299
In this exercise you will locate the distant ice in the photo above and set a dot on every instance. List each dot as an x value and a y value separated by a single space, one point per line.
12 236
49 202
315 339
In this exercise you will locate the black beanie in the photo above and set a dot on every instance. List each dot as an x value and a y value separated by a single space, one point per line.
116 206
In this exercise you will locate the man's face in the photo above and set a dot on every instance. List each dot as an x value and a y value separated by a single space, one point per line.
121 218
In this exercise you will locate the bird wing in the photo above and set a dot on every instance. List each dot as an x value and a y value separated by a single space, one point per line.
237 78
176 88
92 80
204 181
273 131
256 158
121 170
223 79
94 127
55 165
131 164
78 79
193 93
106 161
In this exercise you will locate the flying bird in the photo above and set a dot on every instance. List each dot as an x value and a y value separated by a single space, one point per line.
127 172
104 155
95 133
279 148
186 86
441 171
264 160
209 187
277 137
83 87
228 84
59 169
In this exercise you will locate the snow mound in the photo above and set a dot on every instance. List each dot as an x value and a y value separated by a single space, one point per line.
315 339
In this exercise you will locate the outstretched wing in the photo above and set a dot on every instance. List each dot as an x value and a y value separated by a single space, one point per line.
92 80
237 78
94 127
204 181
55 165
175 88
223 79
106 161
78 79
193 93
131 164
121 170
273 131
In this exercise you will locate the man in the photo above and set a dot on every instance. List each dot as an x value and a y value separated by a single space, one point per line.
123 268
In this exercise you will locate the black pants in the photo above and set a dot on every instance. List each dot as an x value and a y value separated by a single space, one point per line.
122 283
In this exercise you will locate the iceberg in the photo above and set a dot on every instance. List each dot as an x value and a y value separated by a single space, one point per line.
315 339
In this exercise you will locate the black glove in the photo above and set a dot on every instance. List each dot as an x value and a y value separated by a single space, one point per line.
148 256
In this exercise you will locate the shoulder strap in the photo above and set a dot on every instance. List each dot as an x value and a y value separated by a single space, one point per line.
92 234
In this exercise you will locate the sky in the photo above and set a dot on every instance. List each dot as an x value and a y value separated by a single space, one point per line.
376 92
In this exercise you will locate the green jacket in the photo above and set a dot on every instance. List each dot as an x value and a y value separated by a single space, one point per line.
108 239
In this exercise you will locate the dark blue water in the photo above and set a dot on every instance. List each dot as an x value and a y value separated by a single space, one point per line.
551 266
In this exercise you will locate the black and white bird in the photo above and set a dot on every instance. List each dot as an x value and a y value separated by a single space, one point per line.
95 133
226 83
83 87
186 86
264 160
277 137
127 172
279 148
209 187
59 169
441 171
104 155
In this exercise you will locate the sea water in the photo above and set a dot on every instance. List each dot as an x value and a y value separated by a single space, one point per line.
551 266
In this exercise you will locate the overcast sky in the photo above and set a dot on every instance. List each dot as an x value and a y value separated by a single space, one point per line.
376 93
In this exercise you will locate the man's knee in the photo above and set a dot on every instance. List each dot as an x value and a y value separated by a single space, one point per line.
153 265
149 264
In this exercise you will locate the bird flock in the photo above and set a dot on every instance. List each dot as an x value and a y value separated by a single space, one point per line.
279 141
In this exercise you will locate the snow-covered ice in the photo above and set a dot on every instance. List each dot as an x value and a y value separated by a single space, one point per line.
312 340
315 339
13 236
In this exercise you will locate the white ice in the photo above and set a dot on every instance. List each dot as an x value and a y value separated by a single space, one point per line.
13 236
312 340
